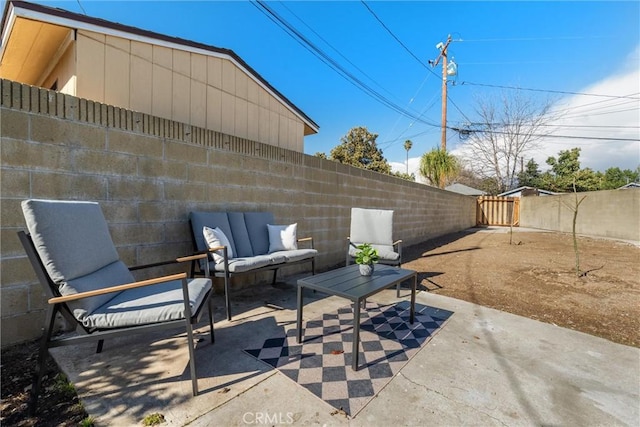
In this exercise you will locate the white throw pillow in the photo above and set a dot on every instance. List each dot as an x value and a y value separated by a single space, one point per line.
282 237
214 238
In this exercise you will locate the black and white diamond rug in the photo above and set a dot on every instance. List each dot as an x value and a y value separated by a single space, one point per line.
322 362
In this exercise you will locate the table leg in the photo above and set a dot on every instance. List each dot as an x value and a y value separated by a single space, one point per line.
299 315
413 298
356 334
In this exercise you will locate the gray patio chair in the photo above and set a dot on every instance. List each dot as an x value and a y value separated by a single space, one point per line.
374 226
70 248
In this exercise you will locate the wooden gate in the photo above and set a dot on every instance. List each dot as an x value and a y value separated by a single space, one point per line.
494 210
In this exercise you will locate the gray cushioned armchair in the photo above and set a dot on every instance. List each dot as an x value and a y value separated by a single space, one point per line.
70 248
374 226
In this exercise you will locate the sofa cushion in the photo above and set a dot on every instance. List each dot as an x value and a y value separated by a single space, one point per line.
296 255
282 237
211 220
214 238
257 229
149 304
240 234
242 265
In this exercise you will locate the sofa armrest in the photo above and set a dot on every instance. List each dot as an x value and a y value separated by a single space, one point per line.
306 239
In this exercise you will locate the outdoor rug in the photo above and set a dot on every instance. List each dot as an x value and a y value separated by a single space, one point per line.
322 362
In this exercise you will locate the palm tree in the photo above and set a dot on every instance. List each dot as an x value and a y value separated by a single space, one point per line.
407 146
438 166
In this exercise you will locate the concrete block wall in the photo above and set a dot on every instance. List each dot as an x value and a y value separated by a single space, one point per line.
149 173
610 213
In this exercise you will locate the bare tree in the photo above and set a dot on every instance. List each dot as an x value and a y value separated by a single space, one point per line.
507 129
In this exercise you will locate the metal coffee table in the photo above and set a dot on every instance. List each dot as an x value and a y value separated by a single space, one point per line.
346 282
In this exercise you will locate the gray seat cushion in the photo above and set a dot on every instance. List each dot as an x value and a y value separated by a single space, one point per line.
385 252
73 241
113 274
146 305
297 254
242 265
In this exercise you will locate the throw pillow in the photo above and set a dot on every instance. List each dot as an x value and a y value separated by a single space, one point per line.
282 237
214 238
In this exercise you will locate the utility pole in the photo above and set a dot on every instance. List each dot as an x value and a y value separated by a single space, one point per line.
443 56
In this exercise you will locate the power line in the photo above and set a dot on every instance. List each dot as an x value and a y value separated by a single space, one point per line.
333 47
535 39
334 65
597 102
393 35
561 125
548 135
80 4
550 91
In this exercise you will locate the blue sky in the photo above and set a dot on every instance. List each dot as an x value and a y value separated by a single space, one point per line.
559 49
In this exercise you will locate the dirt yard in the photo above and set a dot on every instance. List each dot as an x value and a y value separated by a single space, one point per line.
535 277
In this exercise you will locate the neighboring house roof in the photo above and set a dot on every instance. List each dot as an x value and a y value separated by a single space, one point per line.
516 192
630 185
63 18
465 189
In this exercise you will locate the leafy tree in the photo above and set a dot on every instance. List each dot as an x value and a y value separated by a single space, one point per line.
566 164
615 177
530 176
358 148
321 155
506 130
439 167
407 176
566 174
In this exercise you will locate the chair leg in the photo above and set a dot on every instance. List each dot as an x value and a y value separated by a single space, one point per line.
275 277
398 285
192 358
42 359
227 301
213 338
99 348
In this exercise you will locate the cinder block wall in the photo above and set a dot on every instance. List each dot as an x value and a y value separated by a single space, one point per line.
611 213
149 173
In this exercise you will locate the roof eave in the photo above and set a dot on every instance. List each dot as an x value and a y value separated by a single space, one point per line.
63 17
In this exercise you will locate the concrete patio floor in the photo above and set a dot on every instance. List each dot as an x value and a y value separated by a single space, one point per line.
484 367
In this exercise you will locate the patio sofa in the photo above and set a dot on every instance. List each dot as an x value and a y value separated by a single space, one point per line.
245 243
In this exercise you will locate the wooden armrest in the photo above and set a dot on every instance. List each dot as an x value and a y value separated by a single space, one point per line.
191 257
117 288
397 242
305 239
172 261
216 248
